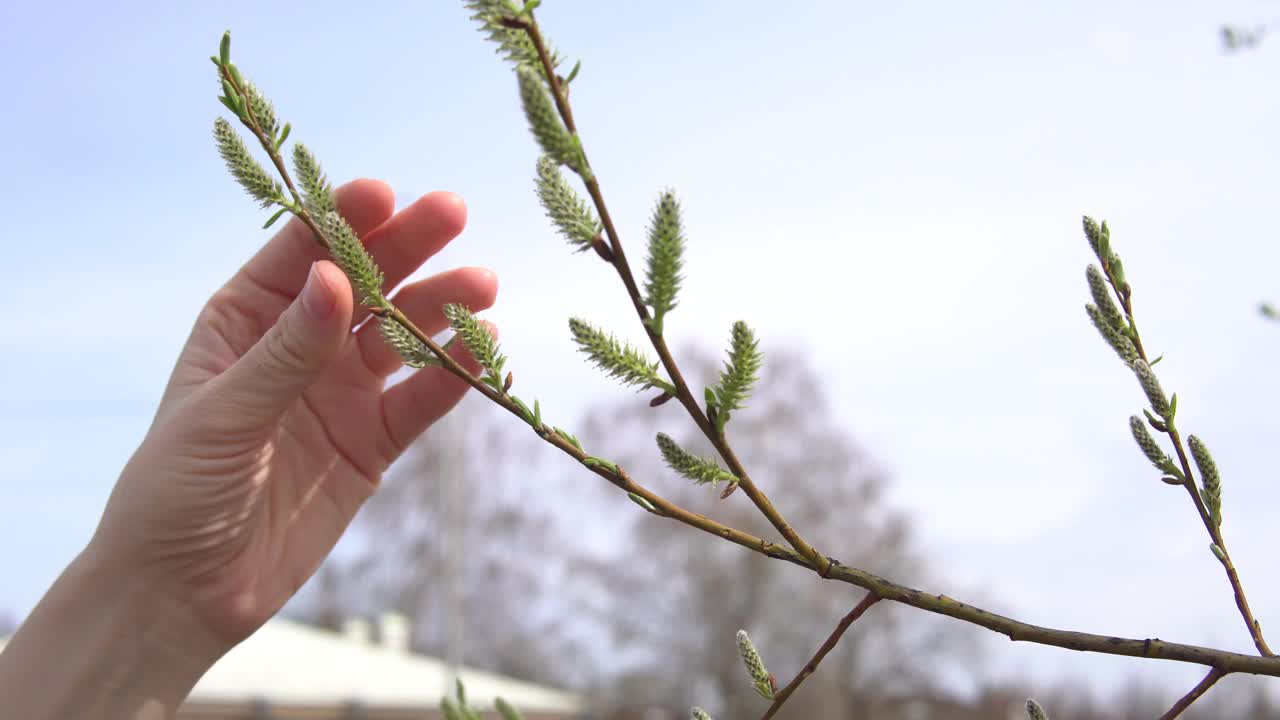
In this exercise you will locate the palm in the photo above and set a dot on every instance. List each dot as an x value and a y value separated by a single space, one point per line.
248 508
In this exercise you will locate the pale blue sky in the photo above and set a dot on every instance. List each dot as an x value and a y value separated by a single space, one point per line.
894 186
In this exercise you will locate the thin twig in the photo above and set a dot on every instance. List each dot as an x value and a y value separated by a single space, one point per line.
1223 662
940 604
1194 694
686 397
809 668
1206 518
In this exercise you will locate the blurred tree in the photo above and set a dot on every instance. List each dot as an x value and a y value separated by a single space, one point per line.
677 598
462 541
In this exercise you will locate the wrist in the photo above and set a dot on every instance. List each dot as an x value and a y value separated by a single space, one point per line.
102 643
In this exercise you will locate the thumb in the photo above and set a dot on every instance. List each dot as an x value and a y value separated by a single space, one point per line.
305 340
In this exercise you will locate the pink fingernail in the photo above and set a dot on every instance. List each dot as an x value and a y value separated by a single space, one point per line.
317 300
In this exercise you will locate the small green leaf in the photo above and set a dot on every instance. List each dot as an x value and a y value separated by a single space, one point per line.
573 73
594 462
450 711
229 91
530 6
284 135
568 436
1117 272
230 105
272 220
506 711
642 502
1218 553
224 48
524 409
537 414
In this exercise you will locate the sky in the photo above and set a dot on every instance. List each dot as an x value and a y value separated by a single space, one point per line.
895 188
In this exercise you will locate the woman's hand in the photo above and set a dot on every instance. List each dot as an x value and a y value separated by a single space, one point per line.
275 426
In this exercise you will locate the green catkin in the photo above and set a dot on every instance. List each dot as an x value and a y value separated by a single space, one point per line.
666 250
317 194
1211 489
620 360
740 371
755 666
544 120
1101 292
476 338
247 171
1151 387
698 469
1118 341
566 209
1150 448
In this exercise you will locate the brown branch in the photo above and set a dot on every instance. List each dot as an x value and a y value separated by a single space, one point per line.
1194 694
623 268
803 555
1206 518
809 668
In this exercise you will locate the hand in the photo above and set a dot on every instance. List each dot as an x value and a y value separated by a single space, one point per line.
275 426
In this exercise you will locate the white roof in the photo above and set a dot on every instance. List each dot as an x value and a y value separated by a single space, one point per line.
288 662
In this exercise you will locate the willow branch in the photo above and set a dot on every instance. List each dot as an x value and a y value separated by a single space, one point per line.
623 268
1194 694
1215 532
800 553
828 646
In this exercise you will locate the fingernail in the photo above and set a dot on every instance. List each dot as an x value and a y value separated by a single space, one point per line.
317 300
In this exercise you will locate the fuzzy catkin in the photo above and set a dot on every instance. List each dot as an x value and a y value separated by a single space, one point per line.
1151 387
544 120
566 209
244 168
666 251
698 469
1211 489
1150 447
